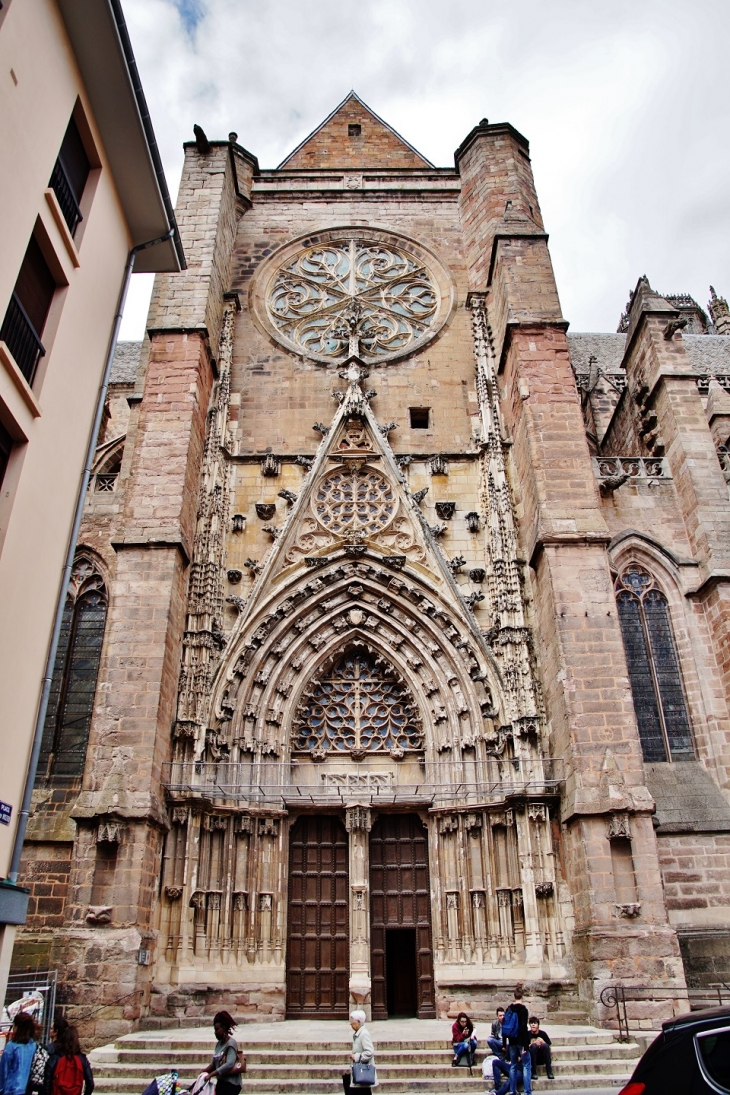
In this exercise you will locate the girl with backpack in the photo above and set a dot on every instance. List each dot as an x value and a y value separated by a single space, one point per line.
69 1072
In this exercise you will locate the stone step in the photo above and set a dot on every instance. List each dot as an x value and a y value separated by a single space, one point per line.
249 1041
426 1086
287 1071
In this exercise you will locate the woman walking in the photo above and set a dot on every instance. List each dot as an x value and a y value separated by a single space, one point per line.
18 1055
225 1056
69 1071
463 1038
363 1053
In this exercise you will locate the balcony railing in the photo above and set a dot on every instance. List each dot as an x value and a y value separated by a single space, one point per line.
18 333
66 198
631 467
412 780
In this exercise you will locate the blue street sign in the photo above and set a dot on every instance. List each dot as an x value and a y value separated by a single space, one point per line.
5 811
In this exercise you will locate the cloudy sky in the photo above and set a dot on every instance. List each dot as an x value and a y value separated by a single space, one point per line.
625 105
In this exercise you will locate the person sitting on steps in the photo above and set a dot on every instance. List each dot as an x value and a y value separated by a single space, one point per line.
463 1039
495 1040
540 1051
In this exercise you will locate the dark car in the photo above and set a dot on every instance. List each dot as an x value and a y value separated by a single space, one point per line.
691 1056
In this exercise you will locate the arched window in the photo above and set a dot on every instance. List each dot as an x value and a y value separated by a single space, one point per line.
71 701
357 705
656 683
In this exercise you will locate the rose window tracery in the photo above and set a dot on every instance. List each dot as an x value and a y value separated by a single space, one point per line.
358 706
354 499
353 296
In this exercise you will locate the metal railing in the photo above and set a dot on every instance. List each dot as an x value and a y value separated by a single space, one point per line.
621 997
40 983
19 334
437 783
63 190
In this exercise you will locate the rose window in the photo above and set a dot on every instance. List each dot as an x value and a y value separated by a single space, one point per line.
359 706
353 296
352 499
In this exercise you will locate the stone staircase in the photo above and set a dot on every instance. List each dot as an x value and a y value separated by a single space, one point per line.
306 1059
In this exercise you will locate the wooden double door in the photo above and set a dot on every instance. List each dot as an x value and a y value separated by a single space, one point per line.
318 960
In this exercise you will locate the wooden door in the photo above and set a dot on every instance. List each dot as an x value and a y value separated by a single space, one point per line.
318 946
400 897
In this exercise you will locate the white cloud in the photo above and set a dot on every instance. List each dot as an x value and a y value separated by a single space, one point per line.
625 106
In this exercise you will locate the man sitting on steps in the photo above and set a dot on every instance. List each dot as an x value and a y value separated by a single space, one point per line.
540 1048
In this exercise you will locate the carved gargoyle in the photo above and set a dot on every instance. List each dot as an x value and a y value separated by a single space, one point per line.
99 914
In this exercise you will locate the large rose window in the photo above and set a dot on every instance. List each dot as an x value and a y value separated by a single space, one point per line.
354 499
354 296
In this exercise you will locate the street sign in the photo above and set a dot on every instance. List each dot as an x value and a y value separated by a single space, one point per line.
5 811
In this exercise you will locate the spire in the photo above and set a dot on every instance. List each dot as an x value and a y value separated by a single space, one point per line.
718 309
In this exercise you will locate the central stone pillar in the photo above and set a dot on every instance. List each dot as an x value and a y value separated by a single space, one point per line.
358 822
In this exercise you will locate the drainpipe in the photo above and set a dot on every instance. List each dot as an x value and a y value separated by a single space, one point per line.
68 565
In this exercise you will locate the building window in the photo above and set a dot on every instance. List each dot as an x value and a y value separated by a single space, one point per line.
71 702
69 176
6 446
354 129
358 705
419 417
656 683
28 311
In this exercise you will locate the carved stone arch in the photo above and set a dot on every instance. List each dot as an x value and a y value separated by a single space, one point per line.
108 457
357 704
88 572
423 637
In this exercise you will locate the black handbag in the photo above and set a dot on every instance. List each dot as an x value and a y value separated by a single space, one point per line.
362 1073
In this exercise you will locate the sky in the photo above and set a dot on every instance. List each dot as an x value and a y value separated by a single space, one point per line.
625 105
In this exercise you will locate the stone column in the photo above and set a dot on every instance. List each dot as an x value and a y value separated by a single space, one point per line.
358 822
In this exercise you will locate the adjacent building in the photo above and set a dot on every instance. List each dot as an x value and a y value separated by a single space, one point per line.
81 185
411 612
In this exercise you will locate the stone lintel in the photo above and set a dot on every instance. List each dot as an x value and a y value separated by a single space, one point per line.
565 539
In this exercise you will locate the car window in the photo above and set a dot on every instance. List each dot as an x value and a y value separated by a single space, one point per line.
669 1065
713 1050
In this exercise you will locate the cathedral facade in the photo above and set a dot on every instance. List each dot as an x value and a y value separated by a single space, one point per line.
396 663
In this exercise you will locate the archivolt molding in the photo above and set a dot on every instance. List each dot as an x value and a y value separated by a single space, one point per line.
286 645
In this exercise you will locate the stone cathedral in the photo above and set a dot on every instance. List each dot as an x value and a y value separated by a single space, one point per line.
396 662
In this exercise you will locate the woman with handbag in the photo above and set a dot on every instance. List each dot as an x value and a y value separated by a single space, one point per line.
362 1076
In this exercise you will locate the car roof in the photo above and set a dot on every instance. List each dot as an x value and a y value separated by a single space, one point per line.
705 1017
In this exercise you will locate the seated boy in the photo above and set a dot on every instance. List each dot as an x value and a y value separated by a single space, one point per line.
540 1048
495 1040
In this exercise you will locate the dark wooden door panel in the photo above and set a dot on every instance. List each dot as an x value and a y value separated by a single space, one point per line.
400 898
318 950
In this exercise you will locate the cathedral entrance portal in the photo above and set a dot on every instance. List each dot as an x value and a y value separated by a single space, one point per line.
317 967
400 918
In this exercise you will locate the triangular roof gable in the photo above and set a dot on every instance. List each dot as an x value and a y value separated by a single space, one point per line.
377 146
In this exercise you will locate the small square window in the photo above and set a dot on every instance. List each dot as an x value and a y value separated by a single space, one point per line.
354 129
419 417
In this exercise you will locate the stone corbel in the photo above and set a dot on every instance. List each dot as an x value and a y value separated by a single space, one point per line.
630 910
109 832
99 914
358 818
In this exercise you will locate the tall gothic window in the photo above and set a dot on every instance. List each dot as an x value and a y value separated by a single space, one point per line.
656 683
71 701
358 705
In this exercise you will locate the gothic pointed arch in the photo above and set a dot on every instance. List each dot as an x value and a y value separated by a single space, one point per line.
73 686
357 704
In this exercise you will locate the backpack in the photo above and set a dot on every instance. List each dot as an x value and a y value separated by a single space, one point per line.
37 1076
68 1076
510 1024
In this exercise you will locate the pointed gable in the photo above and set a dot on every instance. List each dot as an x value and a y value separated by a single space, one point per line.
354 137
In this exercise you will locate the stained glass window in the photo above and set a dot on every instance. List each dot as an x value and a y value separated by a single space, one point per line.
358 706
656 683
73 686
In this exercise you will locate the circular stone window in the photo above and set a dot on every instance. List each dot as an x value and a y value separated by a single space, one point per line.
354 499
376 296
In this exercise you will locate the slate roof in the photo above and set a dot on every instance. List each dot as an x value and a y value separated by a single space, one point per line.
126 363
708 353
608 351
